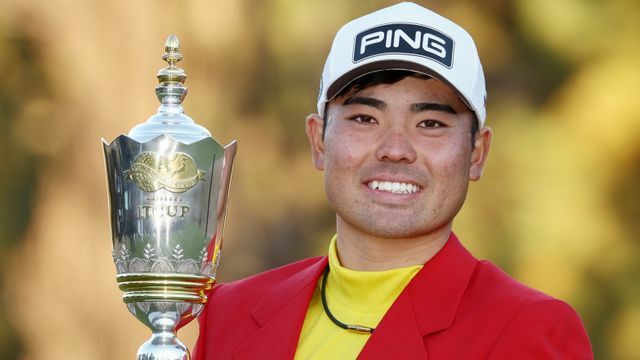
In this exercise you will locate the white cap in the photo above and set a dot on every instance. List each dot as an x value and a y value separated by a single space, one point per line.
405 36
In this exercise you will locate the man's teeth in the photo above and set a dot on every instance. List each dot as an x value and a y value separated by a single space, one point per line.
394 187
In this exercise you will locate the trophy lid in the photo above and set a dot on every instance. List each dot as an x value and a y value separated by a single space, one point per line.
170 118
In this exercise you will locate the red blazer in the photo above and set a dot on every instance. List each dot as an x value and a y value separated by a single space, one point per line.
455 307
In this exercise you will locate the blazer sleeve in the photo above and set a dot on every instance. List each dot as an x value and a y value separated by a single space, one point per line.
544 329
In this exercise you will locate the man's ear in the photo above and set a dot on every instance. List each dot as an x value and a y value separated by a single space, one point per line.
316 140
479 153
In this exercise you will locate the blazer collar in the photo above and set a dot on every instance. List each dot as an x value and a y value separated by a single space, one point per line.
428 304
436 291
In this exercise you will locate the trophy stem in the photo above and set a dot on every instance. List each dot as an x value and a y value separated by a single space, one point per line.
163 344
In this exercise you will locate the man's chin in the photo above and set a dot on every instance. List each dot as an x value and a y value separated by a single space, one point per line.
396 230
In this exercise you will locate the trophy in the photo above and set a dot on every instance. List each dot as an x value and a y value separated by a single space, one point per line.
168 182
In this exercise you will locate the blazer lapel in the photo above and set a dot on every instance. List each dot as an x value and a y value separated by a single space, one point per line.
280 315
428 304
397 336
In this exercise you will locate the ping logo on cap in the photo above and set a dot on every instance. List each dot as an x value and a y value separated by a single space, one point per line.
402 38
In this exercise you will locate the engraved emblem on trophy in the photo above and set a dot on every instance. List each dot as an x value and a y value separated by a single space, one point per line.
168 181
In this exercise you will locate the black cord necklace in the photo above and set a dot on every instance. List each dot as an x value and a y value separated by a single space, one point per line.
356 328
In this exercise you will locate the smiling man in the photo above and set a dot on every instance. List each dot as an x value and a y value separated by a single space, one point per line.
399 134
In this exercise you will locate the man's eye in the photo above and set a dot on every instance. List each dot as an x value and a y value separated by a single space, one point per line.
363 119
431 124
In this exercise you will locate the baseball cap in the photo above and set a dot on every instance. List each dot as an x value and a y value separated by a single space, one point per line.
405 36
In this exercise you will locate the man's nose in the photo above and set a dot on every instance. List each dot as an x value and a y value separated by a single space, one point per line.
395 146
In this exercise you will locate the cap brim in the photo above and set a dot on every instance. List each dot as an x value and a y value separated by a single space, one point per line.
383 65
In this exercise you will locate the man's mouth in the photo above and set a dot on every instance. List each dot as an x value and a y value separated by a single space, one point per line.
393 187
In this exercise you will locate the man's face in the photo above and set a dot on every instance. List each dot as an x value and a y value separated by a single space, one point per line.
398 158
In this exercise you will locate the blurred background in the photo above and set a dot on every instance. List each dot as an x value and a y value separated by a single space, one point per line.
558 206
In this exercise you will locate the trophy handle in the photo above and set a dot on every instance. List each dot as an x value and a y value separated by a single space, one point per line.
225 181
225 178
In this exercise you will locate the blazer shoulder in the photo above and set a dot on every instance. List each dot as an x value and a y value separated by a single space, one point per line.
490 280
533 323
262 282
544 329
493 298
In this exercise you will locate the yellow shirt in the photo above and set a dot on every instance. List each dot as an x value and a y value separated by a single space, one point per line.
354 298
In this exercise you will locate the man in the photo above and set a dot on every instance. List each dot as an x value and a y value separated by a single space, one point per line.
399 133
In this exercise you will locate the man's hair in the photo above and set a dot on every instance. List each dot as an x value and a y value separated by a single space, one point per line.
386 77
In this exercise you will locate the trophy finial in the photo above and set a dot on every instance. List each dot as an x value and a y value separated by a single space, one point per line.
170 118
172 50
171 89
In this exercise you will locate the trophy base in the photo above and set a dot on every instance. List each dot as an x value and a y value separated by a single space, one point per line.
163 344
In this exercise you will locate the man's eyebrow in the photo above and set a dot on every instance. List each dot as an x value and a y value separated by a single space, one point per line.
432 107
362 100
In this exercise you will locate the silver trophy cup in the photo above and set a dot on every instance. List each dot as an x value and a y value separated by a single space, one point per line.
168 182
